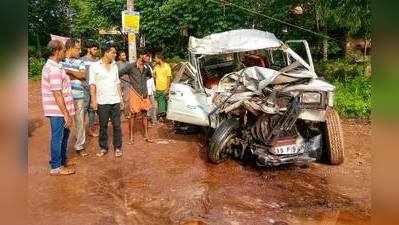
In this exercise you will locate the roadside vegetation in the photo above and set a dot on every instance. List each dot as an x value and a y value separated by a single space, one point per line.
352 79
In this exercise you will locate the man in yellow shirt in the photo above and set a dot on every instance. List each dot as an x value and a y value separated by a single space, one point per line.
163 76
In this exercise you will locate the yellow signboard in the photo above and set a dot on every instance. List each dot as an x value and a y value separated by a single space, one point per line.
130 22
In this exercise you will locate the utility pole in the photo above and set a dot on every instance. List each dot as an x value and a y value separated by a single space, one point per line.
131 35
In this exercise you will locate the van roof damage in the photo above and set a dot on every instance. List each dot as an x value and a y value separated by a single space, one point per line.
242 40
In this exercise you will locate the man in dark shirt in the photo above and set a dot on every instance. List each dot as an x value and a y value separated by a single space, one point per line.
136 76
152 113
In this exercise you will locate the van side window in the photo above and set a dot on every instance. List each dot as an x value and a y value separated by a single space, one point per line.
184 75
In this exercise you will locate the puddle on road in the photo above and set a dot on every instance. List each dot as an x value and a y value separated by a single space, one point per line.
178 192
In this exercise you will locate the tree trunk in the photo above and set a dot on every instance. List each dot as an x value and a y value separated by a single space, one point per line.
325 49
366 65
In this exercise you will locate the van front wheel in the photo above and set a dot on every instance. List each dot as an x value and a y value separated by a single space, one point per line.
222 141
334 138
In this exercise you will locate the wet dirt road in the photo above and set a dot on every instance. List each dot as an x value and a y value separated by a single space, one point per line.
171 182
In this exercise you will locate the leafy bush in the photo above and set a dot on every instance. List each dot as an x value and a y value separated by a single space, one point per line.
34 52
344 69
35 66
353 98
352 79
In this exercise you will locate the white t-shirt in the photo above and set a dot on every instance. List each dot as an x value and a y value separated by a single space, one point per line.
106 81
150 86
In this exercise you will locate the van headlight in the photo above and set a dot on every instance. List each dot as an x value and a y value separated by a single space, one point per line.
310 97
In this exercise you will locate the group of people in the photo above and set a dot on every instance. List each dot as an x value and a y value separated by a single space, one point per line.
75 88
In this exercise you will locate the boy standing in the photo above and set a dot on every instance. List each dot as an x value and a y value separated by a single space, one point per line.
163 75
152 113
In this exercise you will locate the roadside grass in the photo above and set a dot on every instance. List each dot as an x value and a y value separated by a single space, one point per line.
353 98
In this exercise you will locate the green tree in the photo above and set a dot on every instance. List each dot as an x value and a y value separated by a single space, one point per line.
164 22
47 17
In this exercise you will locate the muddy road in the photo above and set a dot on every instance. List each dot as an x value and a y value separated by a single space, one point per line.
172 182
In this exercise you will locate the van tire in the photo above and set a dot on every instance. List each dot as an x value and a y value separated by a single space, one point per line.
334 138
221 140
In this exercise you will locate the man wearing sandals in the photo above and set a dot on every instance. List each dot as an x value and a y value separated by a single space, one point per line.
76 70
135 76
58 107
106 98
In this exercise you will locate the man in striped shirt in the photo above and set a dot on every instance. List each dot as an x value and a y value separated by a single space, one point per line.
89 59
76 70
58 107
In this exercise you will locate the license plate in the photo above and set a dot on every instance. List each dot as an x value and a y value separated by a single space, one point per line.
311 145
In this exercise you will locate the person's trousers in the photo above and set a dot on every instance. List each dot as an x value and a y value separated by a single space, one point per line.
80 109
160 96
113 112
152 113
59 142
91 113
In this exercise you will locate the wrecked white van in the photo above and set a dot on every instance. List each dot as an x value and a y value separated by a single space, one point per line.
262 100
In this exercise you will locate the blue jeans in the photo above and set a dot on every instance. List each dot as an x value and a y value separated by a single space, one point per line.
59 142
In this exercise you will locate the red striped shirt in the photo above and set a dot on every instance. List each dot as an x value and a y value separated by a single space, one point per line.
54 78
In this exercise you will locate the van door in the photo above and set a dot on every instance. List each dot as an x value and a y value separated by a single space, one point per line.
303 52
187 103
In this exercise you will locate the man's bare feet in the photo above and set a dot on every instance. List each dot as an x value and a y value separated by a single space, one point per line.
93 132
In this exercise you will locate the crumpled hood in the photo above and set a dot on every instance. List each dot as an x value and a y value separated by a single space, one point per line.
250 77
256 78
